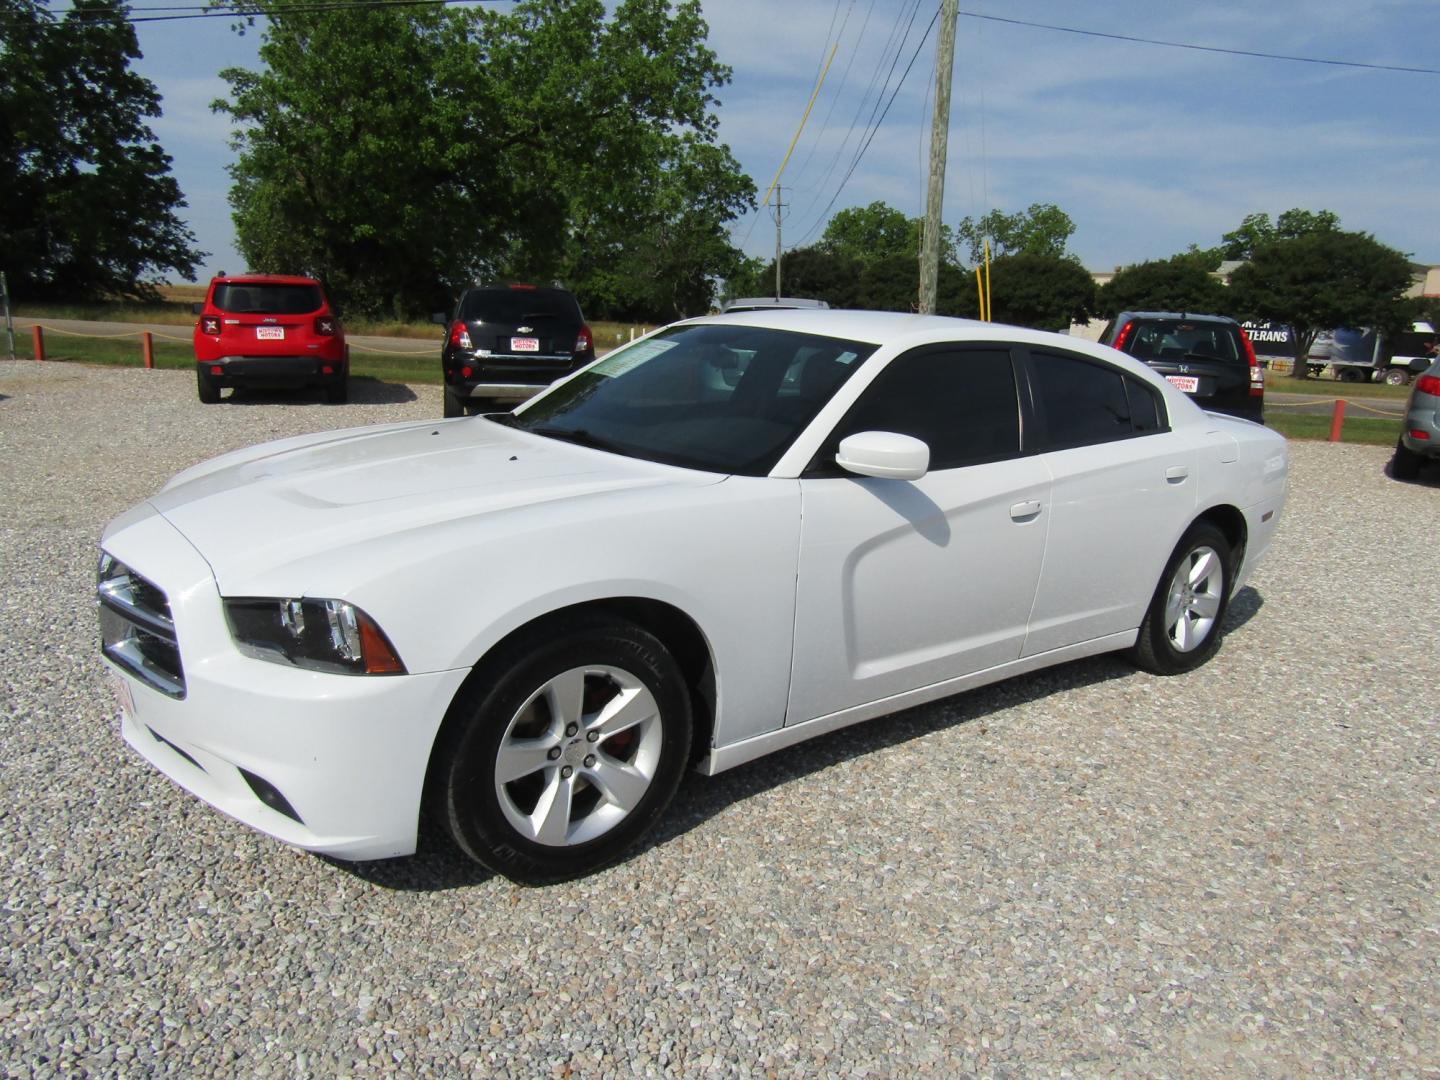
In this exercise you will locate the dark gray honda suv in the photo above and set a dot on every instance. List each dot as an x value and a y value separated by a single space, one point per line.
1207 356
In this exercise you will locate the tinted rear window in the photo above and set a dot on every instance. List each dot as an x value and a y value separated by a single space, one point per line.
518 305
261 299
1177 339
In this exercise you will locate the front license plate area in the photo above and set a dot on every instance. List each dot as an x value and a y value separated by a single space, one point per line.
1189 383
121 691
270 333
524 344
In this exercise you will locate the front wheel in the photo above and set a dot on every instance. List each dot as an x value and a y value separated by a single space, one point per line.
1181 629
564 750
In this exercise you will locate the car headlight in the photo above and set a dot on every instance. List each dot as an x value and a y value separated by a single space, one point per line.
323 635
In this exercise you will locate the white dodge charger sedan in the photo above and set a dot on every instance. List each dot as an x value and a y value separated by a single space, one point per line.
734 534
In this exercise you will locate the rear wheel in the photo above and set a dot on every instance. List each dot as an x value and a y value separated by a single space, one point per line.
338 392
564 750
1397 376
1405 465
209 392
1351 375
1182 626
453 405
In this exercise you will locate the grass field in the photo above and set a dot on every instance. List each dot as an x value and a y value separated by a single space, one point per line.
1284 384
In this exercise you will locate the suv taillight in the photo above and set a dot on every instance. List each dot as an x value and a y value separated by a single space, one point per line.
210 324
1124 335
1428 384
585 342
460 335
326 326
1257 374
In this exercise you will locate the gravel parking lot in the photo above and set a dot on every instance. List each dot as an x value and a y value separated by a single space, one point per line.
1087 872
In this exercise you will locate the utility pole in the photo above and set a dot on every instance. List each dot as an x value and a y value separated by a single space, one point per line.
939 147
778 213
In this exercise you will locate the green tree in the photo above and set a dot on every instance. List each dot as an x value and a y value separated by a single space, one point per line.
868 233
1323 279
1255 230
1179 283
1043 229
1046 292
878 231
401 152
89 205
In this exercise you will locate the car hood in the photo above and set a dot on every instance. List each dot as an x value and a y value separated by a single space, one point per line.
278 503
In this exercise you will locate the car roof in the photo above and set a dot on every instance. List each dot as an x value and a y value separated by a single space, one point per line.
262 279
754 303
1188 316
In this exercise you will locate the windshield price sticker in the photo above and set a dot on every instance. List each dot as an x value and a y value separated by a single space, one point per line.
623 360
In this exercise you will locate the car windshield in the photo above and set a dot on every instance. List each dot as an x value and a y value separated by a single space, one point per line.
727 399
1172 339
258 298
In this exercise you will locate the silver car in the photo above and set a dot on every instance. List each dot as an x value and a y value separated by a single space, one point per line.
1420 439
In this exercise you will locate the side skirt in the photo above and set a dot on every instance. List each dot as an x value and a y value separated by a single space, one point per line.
727 757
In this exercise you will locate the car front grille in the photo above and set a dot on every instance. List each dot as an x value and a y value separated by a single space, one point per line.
136 628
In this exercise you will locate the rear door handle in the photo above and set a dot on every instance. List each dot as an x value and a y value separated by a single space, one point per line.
1177 474
1025 511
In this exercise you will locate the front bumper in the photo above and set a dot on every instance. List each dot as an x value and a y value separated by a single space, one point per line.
345 754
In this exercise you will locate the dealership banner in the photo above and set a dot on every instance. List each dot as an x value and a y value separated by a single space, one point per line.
1271 339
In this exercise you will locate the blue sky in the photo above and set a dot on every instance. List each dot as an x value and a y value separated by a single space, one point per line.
1147 148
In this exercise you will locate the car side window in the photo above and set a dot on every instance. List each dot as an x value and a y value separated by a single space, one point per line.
961 402
1085 401
1146 415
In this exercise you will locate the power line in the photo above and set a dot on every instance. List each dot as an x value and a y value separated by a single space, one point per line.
876 127
877 85
1201 48
240 10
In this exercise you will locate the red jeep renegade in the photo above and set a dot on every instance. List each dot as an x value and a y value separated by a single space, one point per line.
269 330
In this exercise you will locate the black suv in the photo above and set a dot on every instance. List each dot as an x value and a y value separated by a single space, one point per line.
1207 356
508 342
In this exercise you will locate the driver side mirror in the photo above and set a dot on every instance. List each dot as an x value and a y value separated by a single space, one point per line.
884 454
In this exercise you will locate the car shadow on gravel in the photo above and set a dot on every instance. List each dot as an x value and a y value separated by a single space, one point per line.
439 866
364 390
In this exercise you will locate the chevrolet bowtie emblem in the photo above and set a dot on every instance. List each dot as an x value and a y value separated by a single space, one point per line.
524 329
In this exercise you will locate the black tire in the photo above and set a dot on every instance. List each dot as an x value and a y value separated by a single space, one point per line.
1397 376
1405 465
1351 375
1172 640
209 392
453 405
338 392
504 710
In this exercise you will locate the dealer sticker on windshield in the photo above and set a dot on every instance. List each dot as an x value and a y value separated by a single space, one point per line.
1189 383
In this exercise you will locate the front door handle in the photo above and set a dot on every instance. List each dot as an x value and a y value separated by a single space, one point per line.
1025 511
1177 474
